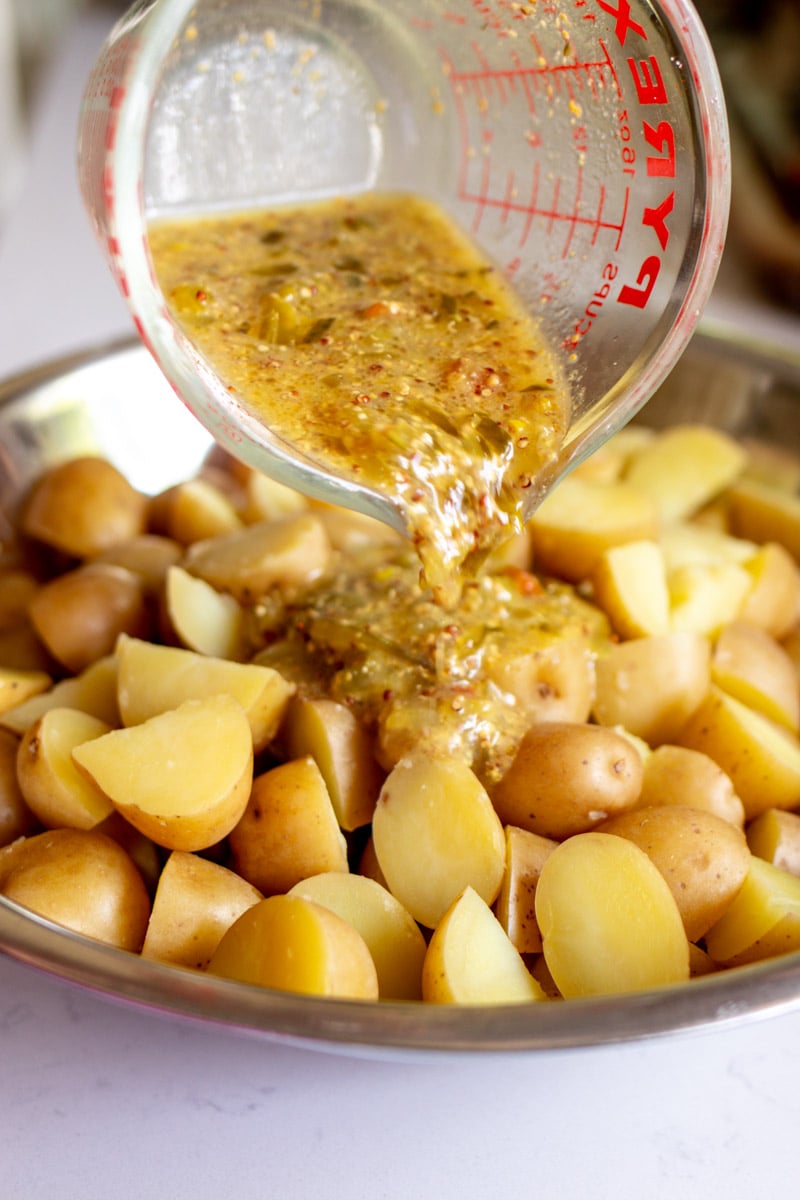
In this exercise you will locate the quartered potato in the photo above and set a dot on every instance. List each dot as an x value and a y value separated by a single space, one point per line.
56 792
183 777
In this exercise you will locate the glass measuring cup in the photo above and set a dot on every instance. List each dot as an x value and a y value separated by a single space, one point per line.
583 145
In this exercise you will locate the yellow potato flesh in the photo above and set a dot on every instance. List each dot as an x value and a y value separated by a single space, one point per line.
248 562
705 596
393 937
773 602
181 778
195 903
153 679
765 514
684 468
342 750
294 945
94 691
435 833
703 859
204 619
580 520
470 959
18 686
762 921
775 837
515 908
608 920
630 585
750 665
53 787
761 758
288 830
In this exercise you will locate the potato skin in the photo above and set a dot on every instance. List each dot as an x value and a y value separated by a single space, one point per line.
567 778
703 858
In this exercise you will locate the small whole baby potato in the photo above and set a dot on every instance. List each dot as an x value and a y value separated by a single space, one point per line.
80 879
568 778
83 506
703 859
80 615
677 775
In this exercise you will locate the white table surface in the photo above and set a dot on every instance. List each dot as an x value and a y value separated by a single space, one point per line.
99 1101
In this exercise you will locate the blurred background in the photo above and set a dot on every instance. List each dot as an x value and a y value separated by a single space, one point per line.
757 43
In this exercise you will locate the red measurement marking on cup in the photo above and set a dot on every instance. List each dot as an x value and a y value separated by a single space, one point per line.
522 192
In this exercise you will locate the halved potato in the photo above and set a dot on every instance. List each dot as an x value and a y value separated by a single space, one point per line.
392 935
342 750
196 902
749 664
293 944
183 777
152 679
204 620
684 468
248 562
17 686
54 789
630 585
651 686
93 691
761 758
435 833
765 513
470 959
762 921
580 520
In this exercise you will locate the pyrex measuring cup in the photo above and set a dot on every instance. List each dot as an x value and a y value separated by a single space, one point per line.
582 144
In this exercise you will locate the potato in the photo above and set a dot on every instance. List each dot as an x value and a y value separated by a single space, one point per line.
147 555
17 686
553 681
567 778
290 943
677 775
749 664
703 858
775 837
608 462
17 586
392 935
21 649
684 468
247 563
80 615
80 879
580 520
153 679
349 531
609 922
762 921
765 513
761 758
267 500
770 463
651 686
203 619
16 819
470 959
288 830
525 856
193 511
54 789
93 691
146 855
689 544
773 601
629 583
83 506
183 777
435 833
195 903
705 596
342 750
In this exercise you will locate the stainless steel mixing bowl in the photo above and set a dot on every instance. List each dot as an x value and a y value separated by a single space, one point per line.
109 401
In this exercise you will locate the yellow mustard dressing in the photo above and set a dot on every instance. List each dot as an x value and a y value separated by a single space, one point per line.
370 333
